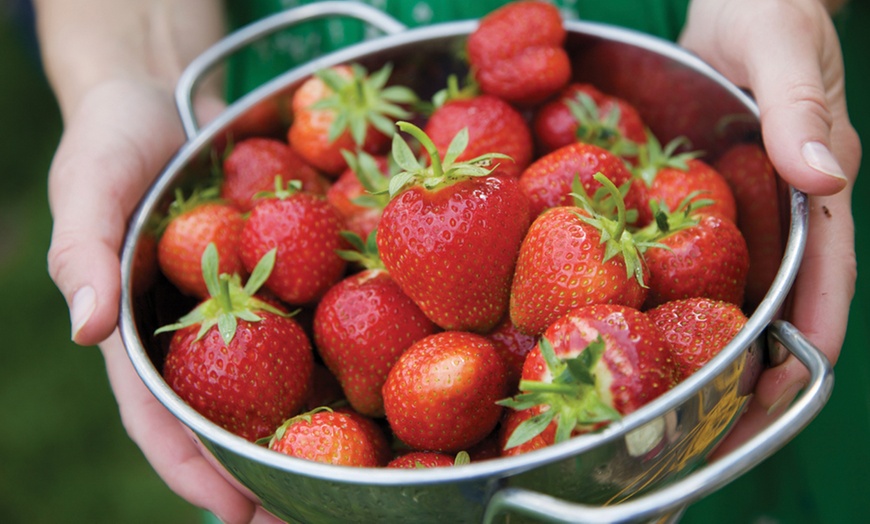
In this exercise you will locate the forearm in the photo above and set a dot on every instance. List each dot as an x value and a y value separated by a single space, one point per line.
88 42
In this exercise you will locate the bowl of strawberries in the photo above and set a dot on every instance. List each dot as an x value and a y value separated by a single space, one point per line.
517 266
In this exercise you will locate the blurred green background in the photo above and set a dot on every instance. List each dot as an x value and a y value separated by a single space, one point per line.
64 456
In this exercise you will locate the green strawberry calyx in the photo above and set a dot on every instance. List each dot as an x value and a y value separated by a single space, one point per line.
615 235
376 185
363 100
454 92
440 172
364 252
229 301
668 222
652 158
282 191
599 129
571 396
181 204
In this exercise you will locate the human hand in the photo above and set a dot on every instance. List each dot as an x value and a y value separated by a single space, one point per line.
114 83
794 69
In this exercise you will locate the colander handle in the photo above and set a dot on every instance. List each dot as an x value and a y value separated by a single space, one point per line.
672 498
235 41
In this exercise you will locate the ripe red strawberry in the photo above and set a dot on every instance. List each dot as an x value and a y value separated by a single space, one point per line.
451 234
428 459
672 178
441 393
306 230
494 126
573 257
191 226
516 53
327 436
696 329
252 165
361 326
513 345
548 181
592 366
359 194
582 113
753 180
344 107
240 361
695 255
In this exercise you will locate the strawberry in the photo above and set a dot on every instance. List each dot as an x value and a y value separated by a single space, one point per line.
516 52
360 193
513 345
671 177
753 180
548 181
332 437
573 256
694 255
696 329
494 126
191 225
344 107
361 326
443 222
591 366
252 165
441 393
428 459
582 113
239 360
305 229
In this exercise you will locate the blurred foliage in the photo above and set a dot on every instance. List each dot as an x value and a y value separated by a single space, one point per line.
64 456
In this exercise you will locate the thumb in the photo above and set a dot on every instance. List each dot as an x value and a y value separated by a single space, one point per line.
800 93
112 147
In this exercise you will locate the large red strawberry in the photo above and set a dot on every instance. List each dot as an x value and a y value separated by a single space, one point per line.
240 361
673 177
327 436
494 126
592 366
306 230
517 53
361 327
573 257
451 234
582 113
360 193
441 394
252 165
696 329
694 255
753 180
345 108
549 180
191 225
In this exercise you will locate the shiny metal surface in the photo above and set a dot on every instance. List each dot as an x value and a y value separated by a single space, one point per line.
643 453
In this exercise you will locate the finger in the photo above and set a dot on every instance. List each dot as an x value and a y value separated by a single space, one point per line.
111 150
168 446
820 298
796 82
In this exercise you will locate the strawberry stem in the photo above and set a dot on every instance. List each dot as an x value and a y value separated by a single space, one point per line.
617 198
426 142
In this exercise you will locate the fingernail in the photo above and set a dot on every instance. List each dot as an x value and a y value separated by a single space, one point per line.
786 398
83 304
819 157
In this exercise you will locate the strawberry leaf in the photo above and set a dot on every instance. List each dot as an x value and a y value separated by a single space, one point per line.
530 428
